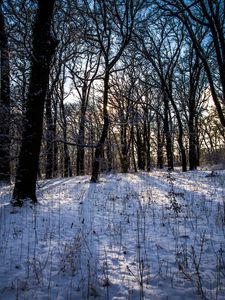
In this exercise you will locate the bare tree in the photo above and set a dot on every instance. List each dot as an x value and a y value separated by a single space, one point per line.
204 22
162 48
83 70
44 46
111 28
191 83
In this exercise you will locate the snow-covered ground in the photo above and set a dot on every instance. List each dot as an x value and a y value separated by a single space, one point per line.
155 235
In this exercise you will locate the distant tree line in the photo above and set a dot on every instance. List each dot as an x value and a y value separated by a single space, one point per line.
98 86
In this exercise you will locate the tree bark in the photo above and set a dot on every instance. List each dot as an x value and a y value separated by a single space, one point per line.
4 102
67 169
109 154
100 146
43 49
167 131
159 144
50 139
124 149
140 150
192 136
180 135
81 135
147 143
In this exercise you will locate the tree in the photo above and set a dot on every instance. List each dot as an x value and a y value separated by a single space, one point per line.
43 48
62 95
162 47
191 83
109 25
204 22
83 71
122 101
4 101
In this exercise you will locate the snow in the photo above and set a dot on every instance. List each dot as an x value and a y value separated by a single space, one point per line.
157 235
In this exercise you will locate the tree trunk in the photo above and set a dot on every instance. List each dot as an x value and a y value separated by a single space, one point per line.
80 148
192 142
197 143
82 124
133 147
100 147
181 134
51 121
159 144
167 131
43 49
50 139
182 150
80 161
124 148
4 102
67 163
55 144
67 169
109 154
147 143
140 150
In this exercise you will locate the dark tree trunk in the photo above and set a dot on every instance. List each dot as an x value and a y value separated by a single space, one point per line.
192 142
167 131
124 148
82 124
4 102
43 49
109 154
195 72
140 150
100 147
80 161
182 150
133 147
80 148
180 136
159 144
51 120
67 163
50 138
197 143
147 143
67 169
55 144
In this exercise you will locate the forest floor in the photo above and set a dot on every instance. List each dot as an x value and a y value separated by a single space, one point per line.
157 235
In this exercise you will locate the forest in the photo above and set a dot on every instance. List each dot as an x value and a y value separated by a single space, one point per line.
112 111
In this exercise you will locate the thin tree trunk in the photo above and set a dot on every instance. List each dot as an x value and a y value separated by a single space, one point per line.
67 169
132 148
51 120
109 154
192 144
140 150
43 49
124 148
55 144
167 131
159 145
80 148
50 138
180 126
180 136
147 143
198 153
